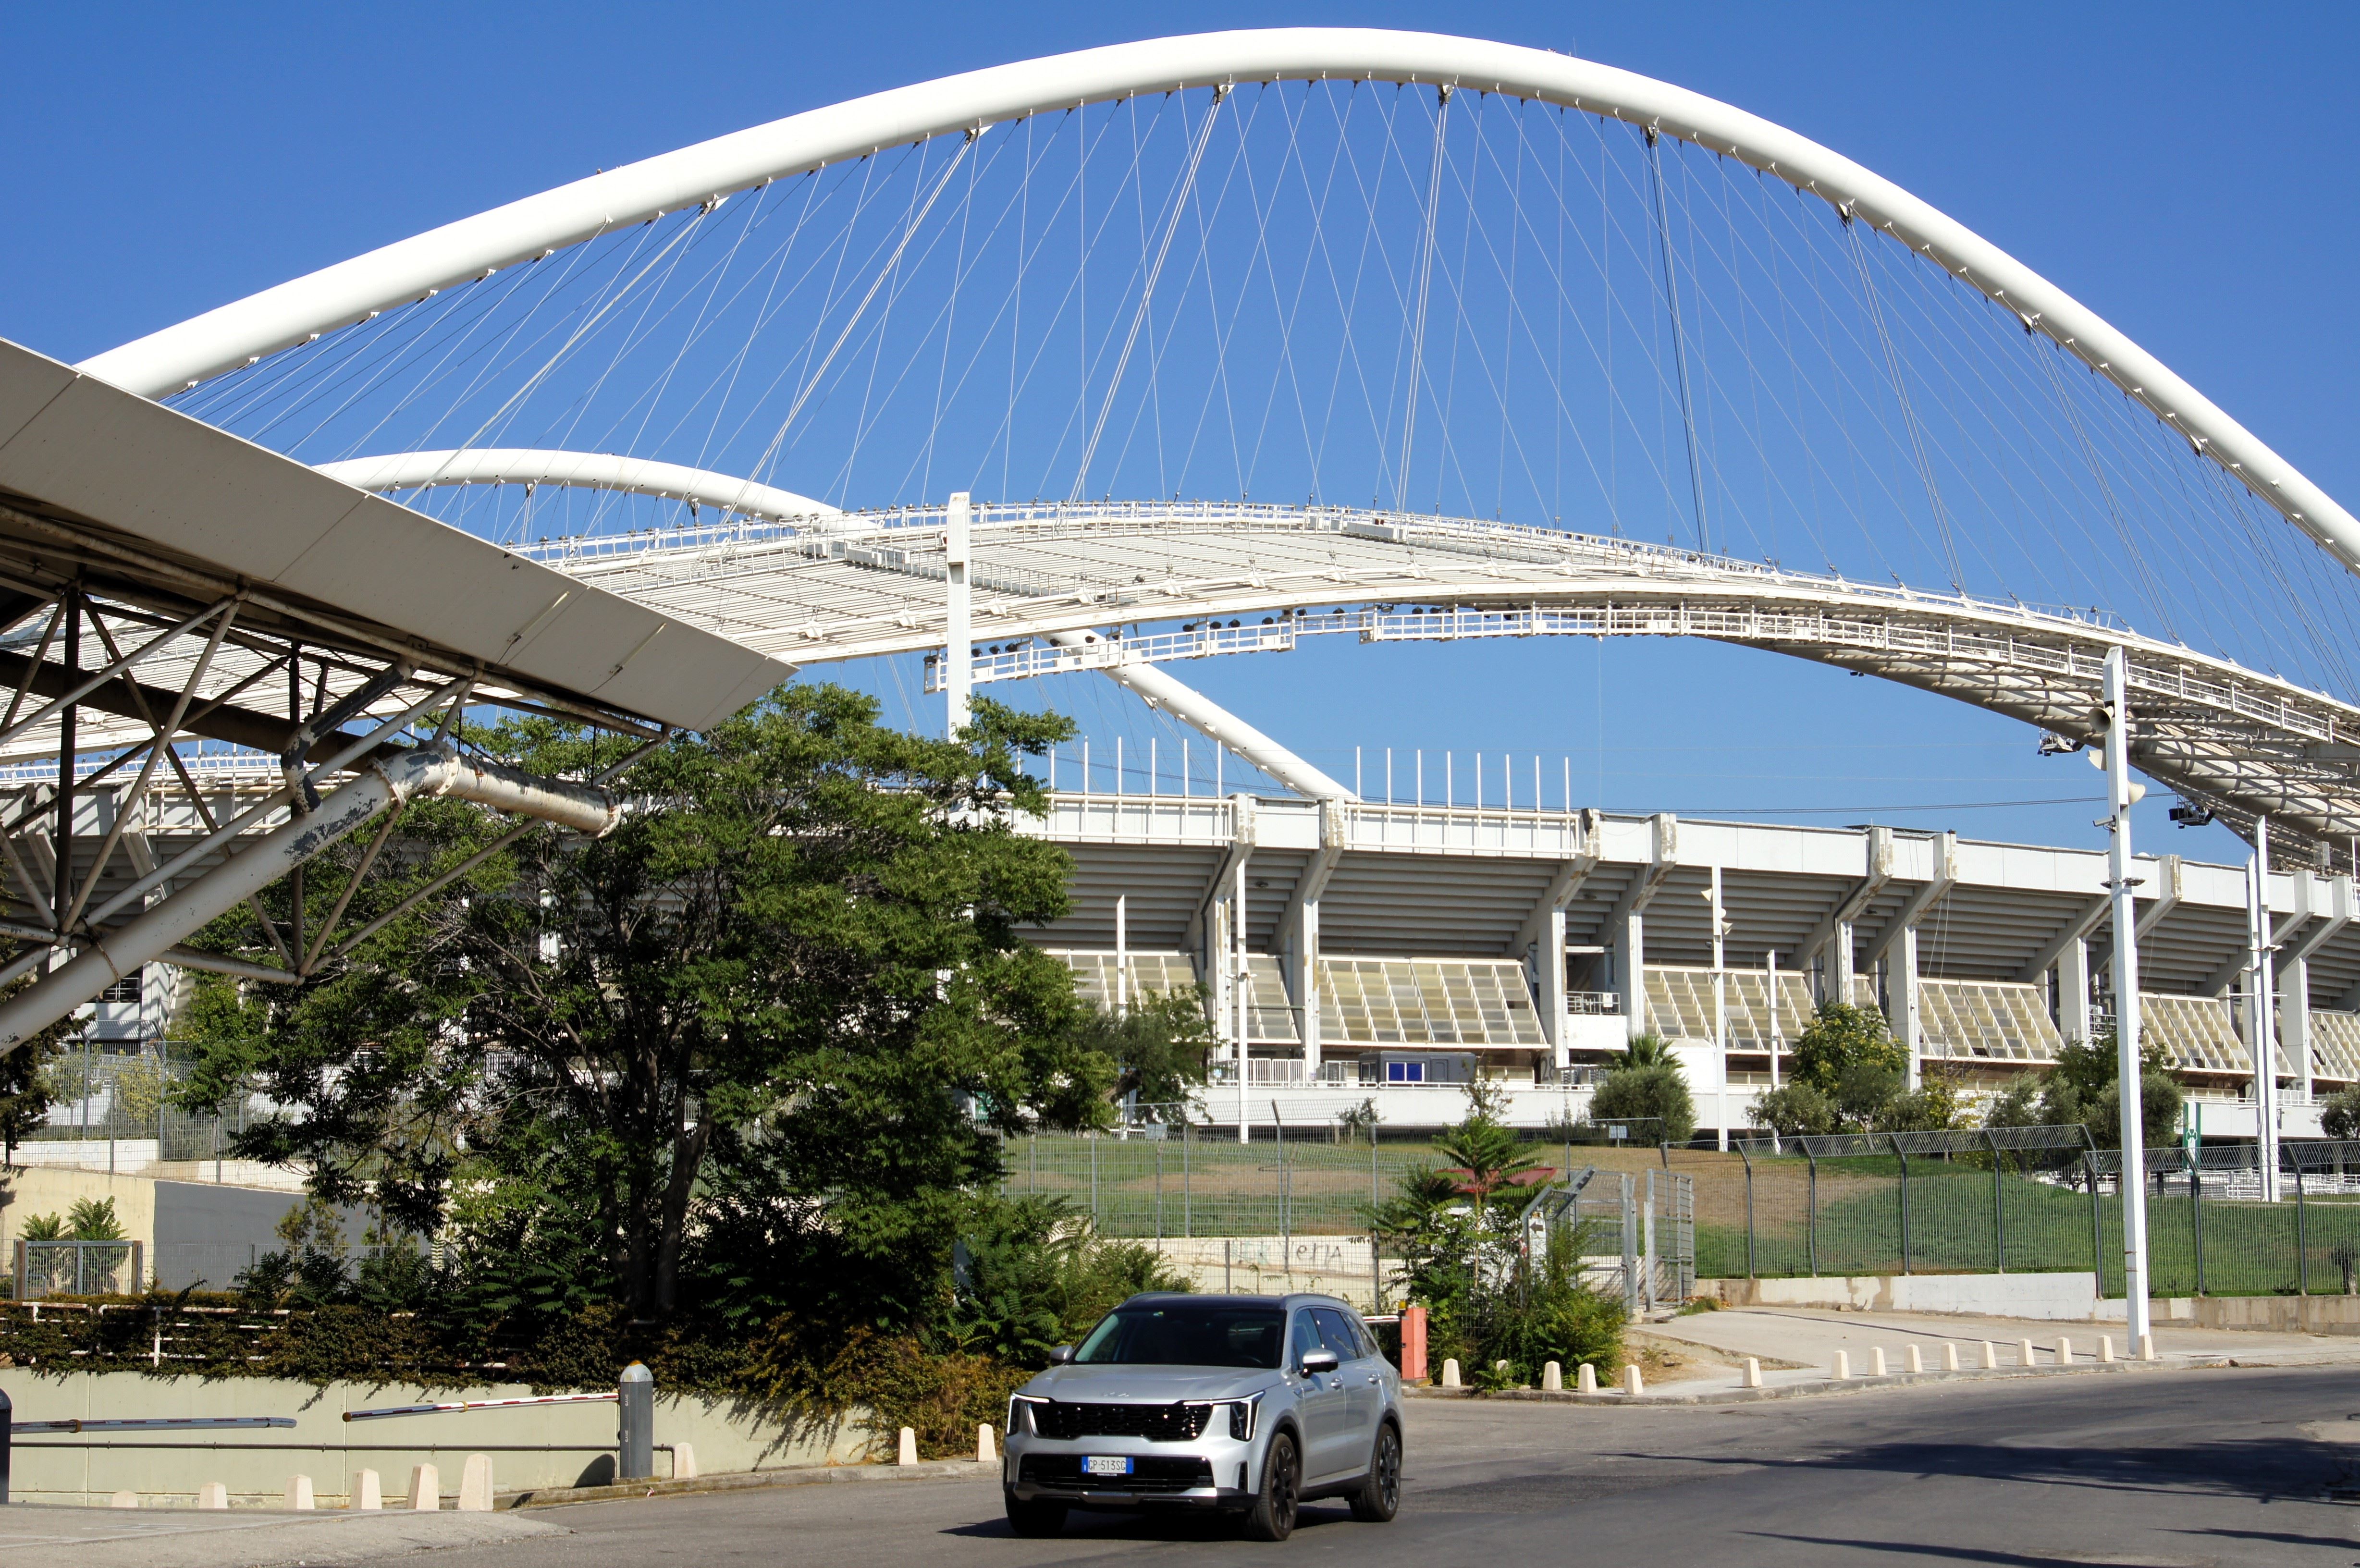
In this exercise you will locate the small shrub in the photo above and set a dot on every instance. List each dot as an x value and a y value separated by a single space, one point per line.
1658 1091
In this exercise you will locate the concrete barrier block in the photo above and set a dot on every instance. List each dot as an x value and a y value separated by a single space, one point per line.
2064 1350
1842 1370
683 1462
1949 1355
1450 1372
212 1495
2026 1355
1552 1378
2147 1347
1632 1384
1991 1356
126 1498
425 1488
1751 1377
299 1494
367 1491
476 1484
907 1453
1585 1378
987 1444
1876 1367
1916 1360
2106 1348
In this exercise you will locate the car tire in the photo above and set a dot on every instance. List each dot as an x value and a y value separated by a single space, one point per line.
1272 1516
1041 1517
1378 1498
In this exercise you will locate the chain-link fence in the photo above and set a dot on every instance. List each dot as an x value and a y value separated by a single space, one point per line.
1999 1201
1188 1184
43 1268
122 1098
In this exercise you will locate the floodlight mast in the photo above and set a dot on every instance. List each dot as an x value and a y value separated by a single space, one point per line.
2121 885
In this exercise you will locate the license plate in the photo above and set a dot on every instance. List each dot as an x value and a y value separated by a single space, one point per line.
1105 1465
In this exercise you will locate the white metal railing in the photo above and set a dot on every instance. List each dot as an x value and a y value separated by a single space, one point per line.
1592 1004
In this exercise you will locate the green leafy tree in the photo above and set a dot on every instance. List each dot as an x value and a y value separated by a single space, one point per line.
1842 1040
93 1219
1450 1224
764 1037
1160 1046
1795 1109
1032 1276
2082 1088
1649 1085
2340 1116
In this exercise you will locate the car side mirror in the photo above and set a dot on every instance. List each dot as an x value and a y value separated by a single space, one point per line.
1318 1361
1061 1356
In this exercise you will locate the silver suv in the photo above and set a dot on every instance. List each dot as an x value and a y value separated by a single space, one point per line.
1248 1404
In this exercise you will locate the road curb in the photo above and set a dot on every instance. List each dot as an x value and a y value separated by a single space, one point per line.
747 1480
1819 1386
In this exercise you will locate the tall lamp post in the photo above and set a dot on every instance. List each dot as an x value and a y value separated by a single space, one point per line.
2121 793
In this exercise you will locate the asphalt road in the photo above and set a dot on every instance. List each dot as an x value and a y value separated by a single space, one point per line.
2194 1468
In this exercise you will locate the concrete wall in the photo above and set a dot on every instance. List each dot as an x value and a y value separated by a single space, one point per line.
2278 1315
2062 1297
53 1190
1273 1265
323 1445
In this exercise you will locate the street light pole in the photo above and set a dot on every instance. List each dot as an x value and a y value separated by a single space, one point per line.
2120 795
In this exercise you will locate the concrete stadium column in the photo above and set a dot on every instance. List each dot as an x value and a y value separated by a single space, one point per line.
1840 963
2073 991
1901 996
1549 961
1631 974
1303 980
2294 1020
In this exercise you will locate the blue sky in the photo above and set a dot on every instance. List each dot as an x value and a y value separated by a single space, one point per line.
2184 169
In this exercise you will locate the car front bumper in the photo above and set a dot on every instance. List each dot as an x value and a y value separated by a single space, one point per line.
1208 1473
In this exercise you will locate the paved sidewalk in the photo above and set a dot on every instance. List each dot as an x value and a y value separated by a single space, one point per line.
195 1537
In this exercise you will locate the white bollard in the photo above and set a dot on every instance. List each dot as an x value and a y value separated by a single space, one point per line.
1949 1355
1916 1360
2025 1353
476 1484
987 1444
126 1498
1632 1385
908 1454
1450 1372
2147 1347
1991 1356
212 1495
2106 1349
1751 1377
425 1488
1552 1378
299 1494
2064 1350
1585 1378
367 1493
1876 1362
683 1462
1843 1366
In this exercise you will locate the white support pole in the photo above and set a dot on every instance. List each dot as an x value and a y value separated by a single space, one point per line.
1121 953
1901 981
2122 887
1770 988
2073 990
1549 959
2261 1025
1307 984
1719 1014
958 632
1244 979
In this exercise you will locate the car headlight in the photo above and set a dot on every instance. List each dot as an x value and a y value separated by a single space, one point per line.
1241 1414
1020 1413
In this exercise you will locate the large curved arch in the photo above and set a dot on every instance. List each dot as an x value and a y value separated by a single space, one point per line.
240 332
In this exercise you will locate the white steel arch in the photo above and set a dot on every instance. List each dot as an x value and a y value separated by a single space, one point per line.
243 331
579 471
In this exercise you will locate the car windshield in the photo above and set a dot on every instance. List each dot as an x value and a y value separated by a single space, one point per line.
1186 1333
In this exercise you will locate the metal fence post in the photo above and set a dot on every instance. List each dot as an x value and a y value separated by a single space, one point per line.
1738 1144
1999 1210
1630 1245
1904 1158
2196 1197
1092 1139
1811 1223
2301 1237
1187 1137
7 1418
635 1440
1159 1188
2097 1226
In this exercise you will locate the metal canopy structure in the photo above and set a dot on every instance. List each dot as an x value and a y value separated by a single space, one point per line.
185 585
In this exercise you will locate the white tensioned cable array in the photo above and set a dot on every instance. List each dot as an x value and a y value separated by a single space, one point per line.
1072 266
